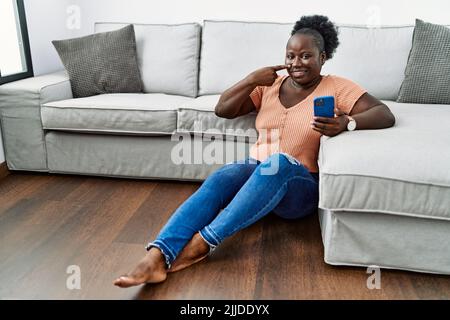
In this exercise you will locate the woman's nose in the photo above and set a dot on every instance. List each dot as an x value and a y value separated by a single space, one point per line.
296 61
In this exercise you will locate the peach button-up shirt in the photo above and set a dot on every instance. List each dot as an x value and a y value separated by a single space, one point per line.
288 130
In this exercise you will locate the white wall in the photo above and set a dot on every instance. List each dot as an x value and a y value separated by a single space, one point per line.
46 21
58 19
54 19
388 12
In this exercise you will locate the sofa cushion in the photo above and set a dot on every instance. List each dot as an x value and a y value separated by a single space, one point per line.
146 114
402 170
197 116
139 114
362 56
427 74
167 56
231 50
101 63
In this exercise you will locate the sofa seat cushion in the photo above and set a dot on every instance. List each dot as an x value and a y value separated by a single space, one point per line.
403 170
197 116
123 113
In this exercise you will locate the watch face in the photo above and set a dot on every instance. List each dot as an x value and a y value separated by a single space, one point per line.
351 125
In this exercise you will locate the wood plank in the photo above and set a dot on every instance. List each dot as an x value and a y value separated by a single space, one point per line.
155 211
90 219
43 240
19 186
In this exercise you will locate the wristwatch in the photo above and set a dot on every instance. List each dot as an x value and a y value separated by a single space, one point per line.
351 125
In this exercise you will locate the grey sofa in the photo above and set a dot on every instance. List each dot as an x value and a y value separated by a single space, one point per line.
384 194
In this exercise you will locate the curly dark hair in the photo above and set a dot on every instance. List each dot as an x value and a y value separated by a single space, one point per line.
324 32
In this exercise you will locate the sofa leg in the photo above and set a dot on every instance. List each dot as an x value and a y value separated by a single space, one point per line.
4 170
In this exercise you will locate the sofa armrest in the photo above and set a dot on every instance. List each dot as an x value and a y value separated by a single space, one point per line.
20 118
36 90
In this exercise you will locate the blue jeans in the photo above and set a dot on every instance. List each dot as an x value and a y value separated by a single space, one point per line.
246 190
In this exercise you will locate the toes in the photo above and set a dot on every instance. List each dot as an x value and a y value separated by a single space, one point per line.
125 282
129 281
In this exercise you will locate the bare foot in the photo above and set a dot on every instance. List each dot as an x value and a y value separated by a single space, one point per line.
151 269
195 250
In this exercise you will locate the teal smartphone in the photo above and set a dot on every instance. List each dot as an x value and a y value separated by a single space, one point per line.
324 106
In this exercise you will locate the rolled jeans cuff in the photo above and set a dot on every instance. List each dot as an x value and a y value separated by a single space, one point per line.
169 256
210 237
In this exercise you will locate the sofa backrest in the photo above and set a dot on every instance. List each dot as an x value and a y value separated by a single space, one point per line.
375 58
167 55
233 49
170 60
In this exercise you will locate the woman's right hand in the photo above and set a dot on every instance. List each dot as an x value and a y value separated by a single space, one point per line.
266 76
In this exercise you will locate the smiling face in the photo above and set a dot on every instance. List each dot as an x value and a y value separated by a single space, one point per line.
304 57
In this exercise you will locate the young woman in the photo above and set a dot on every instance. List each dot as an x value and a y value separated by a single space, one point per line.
281 174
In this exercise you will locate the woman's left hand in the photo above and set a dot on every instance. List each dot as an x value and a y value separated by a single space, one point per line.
330 126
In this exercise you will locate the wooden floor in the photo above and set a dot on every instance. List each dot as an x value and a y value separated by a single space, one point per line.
49 222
